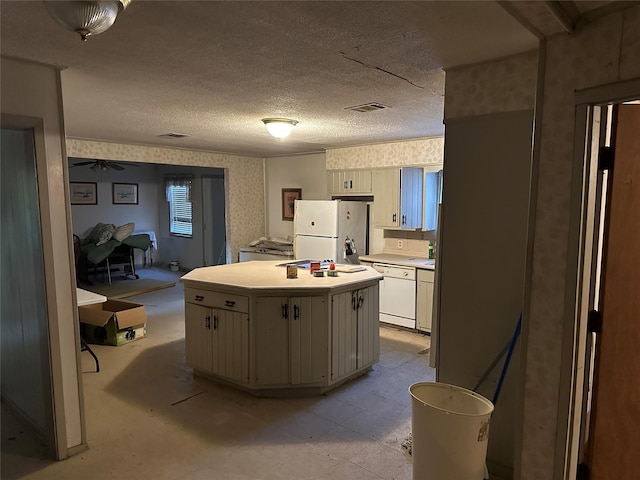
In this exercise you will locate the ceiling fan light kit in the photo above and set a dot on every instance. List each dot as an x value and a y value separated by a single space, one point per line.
279 127
86 17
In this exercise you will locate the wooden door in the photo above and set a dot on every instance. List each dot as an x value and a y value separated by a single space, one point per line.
614 437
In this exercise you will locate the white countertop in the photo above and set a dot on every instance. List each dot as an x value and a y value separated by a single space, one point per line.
267 275
85 297
405 261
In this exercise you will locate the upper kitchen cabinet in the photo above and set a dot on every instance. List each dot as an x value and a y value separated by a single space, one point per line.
432 196
349 182
398 198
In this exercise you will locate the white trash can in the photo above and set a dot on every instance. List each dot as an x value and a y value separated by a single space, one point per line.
450 431
174 266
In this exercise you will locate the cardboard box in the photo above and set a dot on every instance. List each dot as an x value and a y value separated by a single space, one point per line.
114 322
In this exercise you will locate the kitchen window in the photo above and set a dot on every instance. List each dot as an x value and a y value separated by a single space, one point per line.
178 191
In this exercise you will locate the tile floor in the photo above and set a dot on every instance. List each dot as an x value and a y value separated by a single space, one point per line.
147 417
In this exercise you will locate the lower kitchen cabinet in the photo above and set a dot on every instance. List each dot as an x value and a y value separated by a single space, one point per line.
197 335
424 300
355 331
217 341
291 340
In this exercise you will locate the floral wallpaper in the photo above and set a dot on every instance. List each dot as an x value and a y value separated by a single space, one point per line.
245 182
412 152
602 52
504 86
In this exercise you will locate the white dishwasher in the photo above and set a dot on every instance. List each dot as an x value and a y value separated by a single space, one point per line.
397 294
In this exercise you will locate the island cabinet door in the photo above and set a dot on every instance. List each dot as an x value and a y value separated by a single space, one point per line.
344 334
368 326
230 345
198 339
355 330
308 340
272 341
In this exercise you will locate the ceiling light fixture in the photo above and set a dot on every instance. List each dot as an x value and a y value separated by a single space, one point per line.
279 127
86 18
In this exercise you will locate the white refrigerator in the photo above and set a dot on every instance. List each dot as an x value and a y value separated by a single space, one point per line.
329 230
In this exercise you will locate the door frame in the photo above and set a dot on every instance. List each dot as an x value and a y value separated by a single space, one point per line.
583 257
66 431
207 207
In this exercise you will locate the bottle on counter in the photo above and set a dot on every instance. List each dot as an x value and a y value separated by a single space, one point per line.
431 252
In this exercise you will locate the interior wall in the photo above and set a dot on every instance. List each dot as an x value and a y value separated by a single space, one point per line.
307 172
24 336
481 272
603 52
144 214
33 90
244 177
481 280
424 151
188 251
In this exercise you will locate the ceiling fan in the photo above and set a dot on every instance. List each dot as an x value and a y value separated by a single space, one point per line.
103 165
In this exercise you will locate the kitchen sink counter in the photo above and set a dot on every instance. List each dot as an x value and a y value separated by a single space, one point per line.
403 260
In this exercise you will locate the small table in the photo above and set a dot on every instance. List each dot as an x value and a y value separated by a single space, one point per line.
85 297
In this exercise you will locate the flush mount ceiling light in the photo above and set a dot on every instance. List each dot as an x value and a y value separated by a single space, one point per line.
86 18
279 127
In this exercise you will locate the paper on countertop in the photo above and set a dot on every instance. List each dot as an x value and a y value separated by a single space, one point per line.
350 268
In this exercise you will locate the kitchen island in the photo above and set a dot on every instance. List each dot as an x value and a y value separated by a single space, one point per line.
248 325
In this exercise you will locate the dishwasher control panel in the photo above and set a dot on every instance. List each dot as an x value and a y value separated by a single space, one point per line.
395 271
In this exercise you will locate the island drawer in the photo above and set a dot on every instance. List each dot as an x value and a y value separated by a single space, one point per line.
227 301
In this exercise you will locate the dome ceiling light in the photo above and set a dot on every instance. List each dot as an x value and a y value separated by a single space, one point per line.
279 127
86 18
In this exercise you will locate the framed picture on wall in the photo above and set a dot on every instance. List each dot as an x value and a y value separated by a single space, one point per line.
289 196
83 193
125 193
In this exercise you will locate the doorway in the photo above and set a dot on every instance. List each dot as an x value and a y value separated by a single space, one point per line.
606 397
214 220
24 329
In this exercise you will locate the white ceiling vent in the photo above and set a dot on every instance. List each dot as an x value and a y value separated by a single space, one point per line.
368 107
173 135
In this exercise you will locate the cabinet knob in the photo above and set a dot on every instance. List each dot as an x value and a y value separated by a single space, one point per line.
207 322
229 303
198 298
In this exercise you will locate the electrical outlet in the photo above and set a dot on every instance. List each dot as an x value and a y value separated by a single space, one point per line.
399 243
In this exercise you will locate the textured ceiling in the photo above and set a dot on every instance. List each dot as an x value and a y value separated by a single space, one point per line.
213 70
